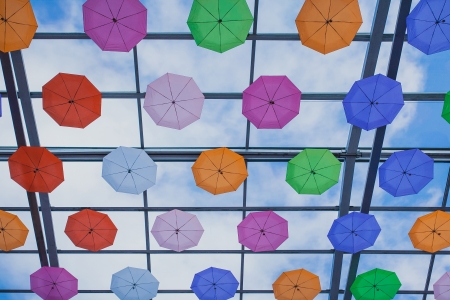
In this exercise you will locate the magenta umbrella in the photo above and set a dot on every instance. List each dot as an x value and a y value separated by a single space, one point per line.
174 101
263 231
53 283
442 287
115 25
271 102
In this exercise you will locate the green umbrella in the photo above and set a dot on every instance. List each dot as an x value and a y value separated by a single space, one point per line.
313 171
220 25
377 284
446 108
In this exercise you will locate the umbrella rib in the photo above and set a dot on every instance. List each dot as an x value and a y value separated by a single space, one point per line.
319 10
238 159
193 216
99 26
137 157
263 115
208 32
206 10
108 17
16 10
229 10
258 97
141 176
327 167
227 182
185 237
433 24
431 10
78 114
341 10
439 25
207 179
87 97
339 35
232 32
283 106
386 93
276 116
255 221
184 87
121 36
121 5
409 162
175 105
164 114
44 88
110 10
76 103
143 11
170 100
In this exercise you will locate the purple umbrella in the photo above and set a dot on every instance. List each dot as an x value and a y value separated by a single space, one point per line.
174 101
53 283
263 231
442 287
115 25
271 102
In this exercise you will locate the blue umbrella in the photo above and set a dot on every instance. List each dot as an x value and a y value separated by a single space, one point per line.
354 232
429 26
134 284
406 172
373 102
214 284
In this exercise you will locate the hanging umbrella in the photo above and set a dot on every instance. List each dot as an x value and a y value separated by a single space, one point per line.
313 171
134 284
263 231
71 100
406 172
13 232
445 109
220 25
271 102
174 101
296 285
177 230
214 283
115 25
129 170
326 26
219 171
51 283
431 232
376 284
442 287
36 169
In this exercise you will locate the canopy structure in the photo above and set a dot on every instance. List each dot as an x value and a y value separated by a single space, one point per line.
134 284
214 283
52 283
442 287
296 285
431 232
376 284
13 233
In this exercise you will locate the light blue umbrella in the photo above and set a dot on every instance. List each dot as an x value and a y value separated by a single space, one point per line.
129 170
134 284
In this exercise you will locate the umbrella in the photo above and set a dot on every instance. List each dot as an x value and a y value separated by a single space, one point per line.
354 232
129 170
271 102
36 169
13 232
220 25
263 231
431 232
177 230
296 285
219 171
406 172
214 284
90 230
115 25
445 109
313 171
71 100
174 101
51 283
134 284
327 26
376 284
442 287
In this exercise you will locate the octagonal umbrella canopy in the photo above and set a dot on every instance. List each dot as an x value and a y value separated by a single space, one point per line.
214 284
441 287
115 25
431 232
51 283
446 108
220 25
174 101
129 170
271 102
376 284
296 285
262 231
134 284
13 233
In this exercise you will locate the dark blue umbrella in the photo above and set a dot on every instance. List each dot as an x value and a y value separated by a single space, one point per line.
429 26
373 102
354 232
214 284
406 172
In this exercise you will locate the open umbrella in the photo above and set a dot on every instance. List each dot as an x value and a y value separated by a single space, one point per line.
262 231
71 100
442 287
376 284
296 285
115 25
431 232
219 171
220 25
134 284
13 233
214 283
174 101
313 171
36 169
51 283
129 170
446 108
271 102
327 26
406 172
177 230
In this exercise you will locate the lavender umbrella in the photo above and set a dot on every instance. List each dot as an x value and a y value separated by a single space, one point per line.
442 287
53 283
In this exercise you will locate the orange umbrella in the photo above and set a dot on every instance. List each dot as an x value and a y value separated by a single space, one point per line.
219 171
12 231
36 169
17 24
328 25
431 232
296 285
71 100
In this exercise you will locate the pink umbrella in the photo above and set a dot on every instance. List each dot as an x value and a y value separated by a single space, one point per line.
53 283
115 25
174 101
442 287
263 231
177 230
271 102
